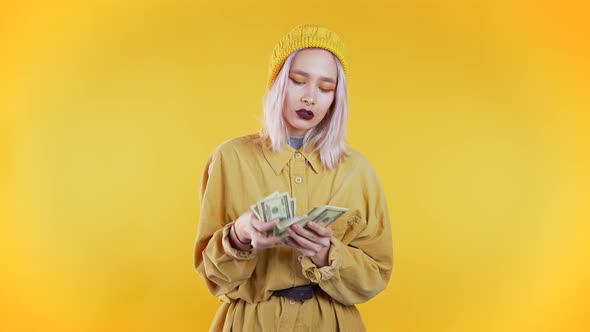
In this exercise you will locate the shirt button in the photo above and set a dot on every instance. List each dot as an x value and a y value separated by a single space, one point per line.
298 179
298 155
292 301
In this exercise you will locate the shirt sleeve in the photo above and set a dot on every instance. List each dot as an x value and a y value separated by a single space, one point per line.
223 267
360 269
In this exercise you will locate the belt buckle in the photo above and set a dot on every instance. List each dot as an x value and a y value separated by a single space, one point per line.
300 293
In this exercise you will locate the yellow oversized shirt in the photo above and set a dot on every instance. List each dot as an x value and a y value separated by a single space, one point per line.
243 170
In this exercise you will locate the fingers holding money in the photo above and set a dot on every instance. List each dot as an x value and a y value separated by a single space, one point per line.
250 230
259 234
309 241
307 252
313 232
262 226
320 230
281 208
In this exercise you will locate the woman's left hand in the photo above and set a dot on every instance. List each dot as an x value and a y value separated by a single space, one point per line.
312 241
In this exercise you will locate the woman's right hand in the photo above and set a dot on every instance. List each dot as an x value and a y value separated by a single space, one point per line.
252 230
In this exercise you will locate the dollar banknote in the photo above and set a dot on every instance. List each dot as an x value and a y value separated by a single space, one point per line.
282 207
327 214
278 207
323 215
256 207
275 206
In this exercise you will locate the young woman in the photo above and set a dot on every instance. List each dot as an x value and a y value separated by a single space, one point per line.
313 281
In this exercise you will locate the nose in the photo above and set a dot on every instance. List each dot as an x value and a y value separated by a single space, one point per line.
309 96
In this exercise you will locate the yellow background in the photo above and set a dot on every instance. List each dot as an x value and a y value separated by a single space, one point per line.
475 115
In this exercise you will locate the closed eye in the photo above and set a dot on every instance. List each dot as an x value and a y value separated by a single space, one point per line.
296 82
300 83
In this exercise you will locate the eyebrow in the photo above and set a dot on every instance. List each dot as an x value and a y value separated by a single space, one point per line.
323 78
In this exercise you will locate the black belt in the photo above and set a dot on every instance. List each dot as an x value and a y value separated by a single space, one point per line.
304 292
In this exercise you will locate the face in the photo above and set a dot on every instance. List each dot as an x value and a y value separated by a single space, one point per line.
310 90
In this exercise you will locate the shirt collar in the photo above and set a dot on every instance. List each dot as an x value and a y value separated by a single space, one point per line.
278 160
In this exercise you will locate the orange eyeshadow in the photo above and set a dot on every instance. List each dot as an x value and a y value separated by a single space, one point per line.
297 78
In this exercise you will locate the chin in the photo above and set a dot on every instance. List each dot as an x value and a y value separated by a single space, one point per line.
303 128
298 127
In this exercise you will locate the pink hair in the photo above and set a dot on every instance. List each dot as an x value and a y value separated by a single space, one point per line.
328 137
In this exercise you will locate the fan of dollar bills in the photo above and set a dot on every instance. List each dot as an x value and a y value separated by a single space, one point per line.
281 206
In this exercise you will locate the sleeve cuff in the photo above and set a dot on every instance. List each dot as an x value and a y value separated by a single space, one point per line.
315 274
233 252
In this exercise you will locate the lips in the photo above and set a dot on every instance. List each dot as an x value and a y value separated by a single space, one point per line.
305 114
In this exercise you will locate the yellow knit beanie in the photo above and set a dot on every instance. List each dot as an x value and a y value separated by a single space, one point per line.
304 36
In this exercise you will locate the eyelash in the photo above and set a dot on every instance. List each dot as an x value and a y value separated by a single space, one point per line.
299 83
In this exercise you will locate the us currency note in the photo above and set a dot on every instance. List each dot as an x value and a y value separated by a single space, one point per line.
256 206
281 206
276 207
324 216
327 214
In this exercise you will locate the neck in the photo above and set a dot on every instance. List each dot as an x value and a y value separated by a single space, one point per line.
296 132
